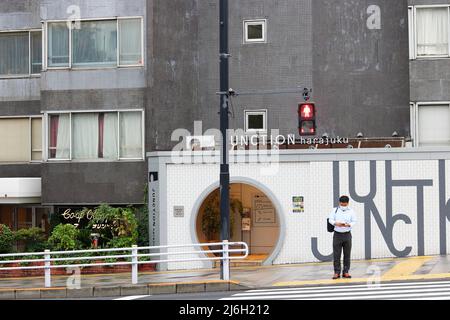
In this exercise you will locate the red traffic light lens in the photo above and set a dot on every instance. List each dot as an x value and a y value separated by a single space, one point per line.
307 111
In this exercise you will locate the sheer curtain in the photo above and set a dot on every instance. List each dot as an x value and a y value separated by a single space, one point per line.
85 136
110 136
131 135
63 137
432 31
95 44
58 44
14 55
130 41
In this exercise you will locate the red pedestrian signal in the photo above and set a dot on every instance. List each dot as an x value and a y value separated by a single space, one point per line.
307 119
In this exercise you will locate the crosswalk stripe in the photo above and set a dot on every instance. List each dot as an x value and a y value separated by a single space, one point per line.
440 290
339 289
336 291
131 298
431 296
406 284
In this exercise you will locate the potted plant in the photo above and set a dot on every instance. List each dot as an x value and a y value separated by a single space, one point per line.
211 217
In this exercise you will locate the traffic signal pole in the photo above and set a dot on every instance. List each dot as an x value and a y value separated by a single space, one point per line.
224 125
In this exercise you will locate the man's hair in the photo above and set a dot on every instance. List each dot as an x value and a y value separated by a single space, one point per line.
344 199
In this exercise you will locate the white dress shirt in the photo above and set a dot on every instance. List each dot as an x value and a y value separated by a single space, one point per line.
343 215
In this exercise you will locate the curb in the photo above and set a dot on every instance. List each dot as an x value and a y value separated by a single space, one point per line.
121 291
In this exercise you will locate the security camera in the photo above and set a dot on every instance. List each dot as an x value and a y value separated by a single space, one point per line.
360 135
231 92
325 135
395 134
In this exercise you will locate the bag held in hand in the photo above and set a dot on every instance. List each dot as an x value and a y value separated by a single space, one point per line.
330 227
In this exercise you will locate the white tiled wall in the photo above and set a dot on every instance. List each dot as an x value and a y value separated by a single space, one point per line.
314 180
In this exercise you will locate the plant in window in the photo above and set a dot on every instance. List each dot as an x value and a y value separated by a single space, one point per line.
211 215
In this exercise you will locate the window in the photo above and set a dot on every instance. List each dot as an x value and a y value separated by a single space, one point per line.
58 44
256 121
95 44
255 31
96 136
20 139
20 53
432 124
429 31
130 35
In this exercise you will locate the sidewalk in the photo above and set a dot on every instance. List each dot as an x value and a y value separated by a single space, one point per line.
415 268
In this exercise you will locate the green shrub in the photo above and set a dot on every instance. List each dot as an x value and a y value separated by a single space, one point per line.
121 221
34 239
6 239
143 226
124 242
65 238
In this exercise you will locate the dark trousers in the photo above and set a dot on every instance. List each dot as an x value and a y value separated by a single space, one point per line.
342 241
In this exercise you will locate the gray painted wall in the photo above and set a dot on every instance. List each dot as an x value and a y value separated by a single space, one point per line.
361 76
94 183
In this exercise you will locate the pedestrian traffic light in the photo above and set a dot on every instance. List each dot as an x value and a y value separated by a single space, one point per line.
307 119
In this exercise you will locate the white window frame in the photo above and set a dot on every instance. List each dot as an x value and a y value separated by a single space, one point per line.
118 111
70 65
415 117
30 159
258 112
29 74
253 22
412 27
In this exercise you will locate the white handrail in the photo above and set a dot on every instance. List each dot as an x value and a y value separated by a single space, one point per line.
133 256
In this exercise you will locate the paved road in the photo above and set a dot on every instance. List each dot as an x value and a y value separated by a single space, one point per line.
429 290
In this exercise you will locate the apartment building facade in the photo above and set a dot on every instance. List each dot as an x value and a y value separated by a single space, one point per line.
87 88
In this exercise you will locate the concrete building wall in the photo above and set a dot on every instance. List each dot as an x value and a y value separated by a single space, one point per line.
361 75
100 89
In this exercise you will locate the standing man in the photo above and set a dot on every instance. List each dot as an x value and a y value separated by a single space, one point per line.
343 218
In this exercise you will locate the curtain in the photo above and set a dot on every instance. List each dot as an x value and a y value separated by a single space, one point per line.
14 55
432 31
110 136
85 128
95 44
131 135
62 137
58 45
130 41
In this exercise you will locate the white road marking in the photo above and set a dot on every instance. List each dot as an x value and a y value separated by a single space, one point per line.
132 298
424 290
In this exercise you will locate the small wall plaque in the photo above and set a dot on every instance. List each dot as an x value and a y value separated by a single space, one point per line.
178 212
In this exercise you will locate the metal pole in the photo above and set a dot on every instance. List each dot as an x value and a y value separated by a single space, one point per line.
134 266
226 261
47 270
224 125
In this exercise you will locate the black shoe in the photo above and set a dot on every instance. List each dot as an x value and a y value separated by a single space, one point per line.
346 276
336 276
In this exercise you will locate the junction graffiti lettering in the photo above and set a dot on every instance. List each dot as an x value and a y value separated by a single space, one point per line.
386 226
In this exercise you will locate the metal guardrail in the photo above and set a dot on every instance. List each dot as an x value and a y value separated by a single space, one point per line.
134 255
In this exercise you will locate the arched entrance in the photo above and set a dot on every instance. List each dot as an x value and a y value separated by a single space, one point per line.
256 219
